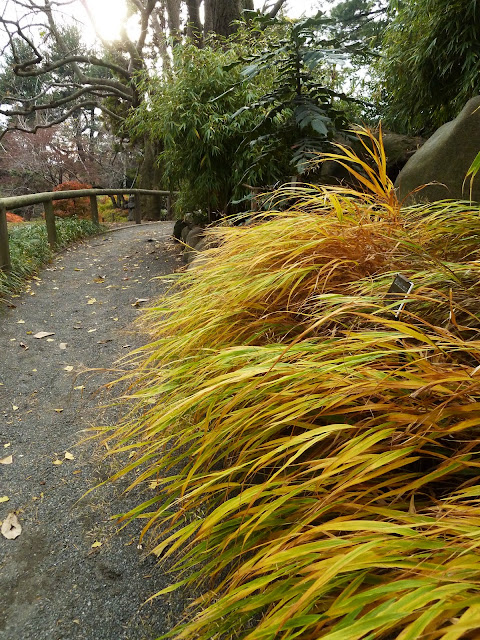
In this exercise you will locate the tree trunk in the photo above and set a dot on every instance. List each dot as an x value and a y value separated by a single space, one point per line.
150 177
194 29
220 14
173 12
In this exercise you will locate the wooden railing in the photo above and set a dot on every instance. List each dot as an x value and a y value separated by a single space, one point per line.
47 198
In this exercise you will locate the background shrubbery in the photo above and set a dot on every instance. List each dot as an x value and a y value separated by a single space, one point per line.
78 207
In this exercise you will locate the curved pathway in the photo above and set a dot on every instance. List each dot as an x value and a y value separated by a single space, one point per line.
69 574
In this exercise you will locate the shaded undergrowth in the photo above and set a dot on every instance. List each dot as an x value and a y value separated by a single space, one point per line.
312 456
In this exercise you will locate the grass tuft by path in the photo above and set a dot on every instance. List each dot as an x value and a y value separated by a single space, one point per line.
29 248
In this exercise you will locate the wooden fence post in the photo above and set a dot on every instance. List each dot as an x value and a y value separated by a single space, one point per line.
94 208
50 222
138 211
5 263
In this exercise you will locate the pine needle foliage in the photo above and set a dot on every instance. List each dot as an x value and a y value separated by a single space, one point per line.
314 457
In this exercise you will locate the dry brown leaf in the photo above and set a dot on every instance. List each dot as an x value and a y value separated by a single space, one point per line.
43 334
11 528
7 460
91 301
139 301
69 456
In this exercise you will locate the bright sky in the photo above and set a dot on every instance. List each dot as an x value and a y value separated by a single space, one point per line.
109 14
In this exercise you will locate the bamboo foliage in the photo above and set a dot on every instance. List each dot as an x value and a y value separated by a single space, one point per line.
314 458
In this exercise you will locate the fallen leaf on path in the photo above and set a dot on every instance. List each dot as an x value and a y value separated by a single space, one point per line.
4 498
50 340
79 388
68 368
91 330
63 345
14 407
99 280
96 544
24 346
43 334
5 446
57 462
7 460
11 528
78 269
20 321
29 333
91 301
58 410
139 301
69 456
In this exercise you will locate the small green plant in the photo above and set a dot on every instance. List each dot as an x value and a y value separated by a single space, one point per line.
314 457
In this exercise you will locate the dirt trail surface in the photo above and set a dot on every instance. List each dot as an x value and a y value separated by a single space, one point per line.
70 575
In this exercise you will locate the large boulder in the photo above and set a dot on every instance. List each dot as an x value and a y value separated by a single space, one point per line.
444 159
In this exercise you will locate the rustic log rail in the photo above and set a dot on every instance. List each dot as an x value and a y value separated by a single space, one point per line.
47 198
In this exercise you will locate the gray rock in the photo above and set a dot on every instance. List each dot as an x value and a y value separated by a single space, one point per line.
193 238
184 233
198 260
178 228
201 245
444 159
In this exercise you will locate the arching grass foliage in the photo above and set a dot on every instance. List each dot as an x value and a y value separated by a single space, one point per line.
313 457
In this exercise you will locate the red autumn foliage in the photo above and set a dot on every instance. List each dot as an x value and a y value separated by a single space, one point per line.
79 207
12 217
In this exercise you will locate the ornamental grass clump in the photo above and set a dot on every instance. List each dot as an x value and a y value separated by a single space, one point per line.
312 456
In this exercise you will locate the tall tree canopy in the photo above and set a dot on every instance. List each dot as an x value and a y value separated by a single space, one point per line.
431 62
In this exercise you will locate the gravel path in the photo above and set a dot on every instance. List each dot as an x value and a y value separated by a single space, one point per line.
56 581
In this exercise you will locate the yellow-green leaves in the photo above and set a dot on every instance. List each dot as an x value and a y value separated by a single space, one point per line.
315 459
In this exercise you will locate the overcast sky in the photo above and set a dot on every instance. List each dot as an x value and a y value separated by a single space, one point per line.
295 8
